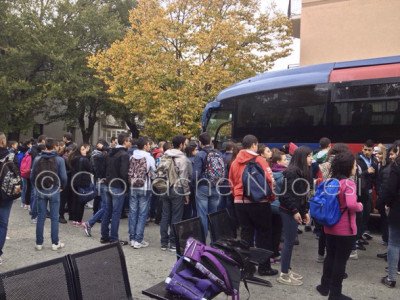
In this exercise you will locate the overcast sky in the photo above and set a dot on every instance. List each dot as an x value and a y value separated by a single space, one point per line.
294 58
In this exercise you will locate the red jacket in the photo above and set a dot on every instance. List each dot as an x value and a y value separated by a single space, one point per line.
236 172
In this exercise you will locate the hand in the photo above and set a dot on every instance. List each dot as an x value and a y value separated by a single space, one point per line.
306 219
187 200
371 170
297 217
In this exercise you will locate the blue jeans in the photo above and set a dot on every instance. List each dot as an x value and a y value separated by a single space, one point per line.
172 212
34 204
289 236
115 198
393 251
24 189
5 208
207 200
139 204
54 203
99 214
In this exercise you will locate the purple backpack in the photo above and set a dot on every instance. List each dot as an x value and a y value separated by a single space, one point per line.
203 272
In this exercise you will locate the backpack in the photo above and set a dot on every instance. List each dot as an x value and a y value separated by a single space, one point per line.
255 185
26 165
166 174
137 172
214 167
46 174
325 206
203 272
10 179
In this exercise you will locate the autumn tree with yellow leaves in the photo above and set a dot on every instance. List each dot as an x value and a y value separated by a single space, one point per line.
179 54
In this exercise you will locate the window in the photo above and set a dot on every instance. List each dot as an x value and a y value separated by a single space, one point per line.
112 132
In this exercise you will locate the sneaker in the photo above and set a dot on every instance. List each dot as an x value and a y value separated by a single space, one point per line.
142 244
26 207
295 276
87 229
104 240
287 280
34 221
360 246
367 236
38 247
320 259
354 255
172 248
389 283
163 247
89 205
382 255
62 220
58 246
267 271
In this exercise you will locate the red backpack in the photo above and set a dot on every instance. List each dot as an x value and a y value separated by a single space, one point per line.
26 164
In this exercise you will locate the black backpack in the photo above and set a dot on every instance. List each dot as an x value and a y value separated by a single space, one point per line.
10 178
46 174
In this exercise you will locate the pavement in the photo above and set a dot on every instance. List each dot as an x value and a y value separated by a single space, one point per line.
151 265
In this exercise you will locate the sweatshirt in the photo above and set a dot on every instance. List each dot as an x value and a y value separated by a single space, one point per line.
236 173
185 169
349 207
151 166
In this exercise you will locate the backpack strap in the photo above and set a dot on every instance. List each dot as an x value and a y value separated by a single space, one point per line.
253 160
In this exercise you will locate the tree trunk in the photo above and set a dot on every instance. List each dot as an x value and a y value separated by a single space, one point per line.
130 122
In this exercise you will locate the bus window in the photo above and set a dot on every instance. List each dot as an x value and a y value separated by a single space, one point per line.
218 118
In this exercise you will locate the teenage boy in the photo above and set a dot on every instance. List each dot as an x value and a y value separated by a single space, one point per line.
141 166
252 216
48 176
117 163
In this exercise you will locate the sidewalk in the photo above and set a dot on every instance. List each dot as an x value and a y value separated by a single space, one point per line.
149 266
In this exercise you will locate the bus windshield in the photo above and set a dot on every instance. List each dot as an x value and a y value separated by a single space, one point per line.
219 126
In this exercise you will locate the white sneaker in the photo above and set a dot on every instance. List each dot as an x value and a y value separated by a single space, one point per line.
287 280
55 247
38 247
295 276
138 245
354 255
132 243
320 258
34 221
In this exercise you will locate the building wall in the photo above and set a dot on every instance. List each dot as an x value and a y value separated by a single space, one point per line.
340 30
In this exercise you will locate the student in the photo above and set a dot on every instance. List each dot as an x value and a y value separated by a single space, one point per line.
178 195
49 177
141 167
341 236
252 216
294 210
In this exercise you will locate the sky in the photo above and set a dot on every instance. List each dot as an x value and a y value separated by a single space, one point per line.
294 58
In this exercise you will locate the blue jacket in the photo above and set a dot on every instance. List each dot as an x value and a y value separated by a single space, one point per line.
199 165
61 171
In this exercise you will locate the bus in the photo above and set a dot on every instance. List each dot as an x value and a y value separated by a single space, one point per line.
348 102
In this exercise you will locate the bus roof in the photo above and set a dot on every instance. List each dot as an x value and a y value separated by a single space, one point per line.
307 75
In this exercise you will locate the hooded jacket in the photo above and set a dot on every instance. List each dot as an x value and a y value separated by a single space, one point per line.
185 169
151 166
392 195
117 164
236 173
61 170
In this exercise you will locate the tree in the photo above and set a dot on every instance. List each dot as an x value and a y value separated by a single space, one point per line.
179 54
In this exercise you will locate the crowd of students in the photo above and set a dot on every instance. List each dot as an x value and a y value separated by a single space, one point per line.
123 176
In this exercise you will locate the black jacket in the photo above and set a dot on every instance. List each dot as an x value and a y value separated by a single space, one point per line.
367 180
117 165
392 197
98 160
295 193
81 164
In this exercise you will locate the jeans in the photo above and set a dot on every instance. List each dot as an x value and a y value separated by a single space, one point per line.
255 221
34 204
289 236
207 200
338 249
393 251
54 203
115 198
172 212
100 212
24 190
139 205
5 208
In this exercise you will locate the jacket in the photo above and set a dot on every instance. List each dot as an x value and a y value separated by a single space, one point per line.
236 173
117 164
151 166
80 167
367 180
185 169
98 161
349 206
199 165
294 197
392 196
61 170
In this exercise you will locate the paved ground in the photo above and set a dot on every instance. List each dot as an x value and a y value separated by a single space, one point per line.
149 266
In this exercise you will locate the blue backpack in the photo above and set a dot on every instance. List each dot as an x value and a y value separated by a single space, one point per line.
325 206
255 186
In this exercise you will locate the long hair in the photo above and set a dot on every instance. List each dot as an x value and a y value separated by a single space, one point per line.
342 165
298 163
77 152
